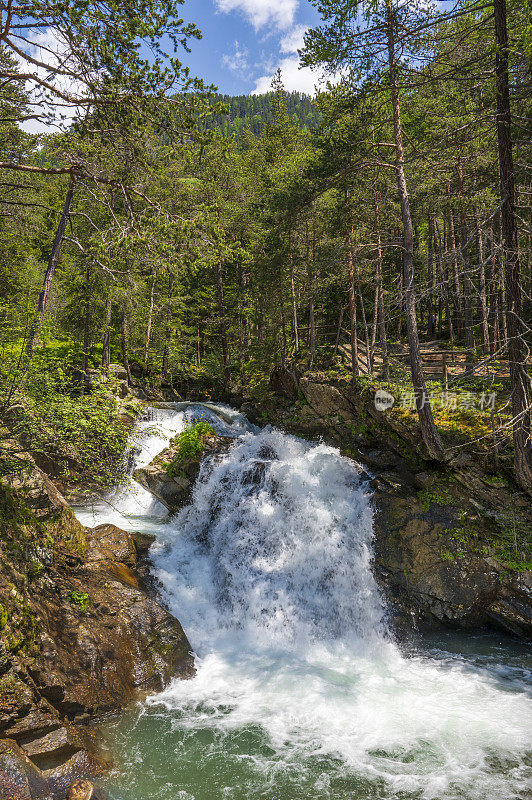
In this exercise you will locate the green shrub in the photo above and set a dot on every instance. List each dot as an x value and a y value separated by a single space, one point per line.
190 443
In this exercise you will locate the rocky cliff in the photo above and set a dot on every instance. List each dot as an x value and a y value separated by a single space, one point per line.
80 636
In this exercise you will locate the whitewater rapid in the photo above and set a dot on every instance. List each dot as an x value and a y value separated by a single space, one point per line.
300 690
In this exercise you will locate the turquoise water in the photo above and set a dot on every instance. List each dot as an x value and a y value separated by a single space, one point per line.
162 753
300 690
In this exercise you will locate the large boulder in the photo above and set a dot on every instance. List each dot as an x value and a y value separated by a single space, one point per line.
105 638
284 381
327 400
170 478
437 559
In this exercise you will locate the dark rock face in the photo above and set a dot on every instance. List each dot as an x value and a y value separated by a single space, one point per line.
173 487
284 381
426 572
80 635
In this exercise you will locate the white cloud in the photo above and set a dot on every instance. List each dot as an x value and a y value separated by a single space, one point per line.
237 61
293 40
262 12
47 47
294 79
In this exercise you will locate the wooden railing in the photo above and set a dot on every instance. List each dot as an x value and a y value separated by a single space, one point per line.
437 363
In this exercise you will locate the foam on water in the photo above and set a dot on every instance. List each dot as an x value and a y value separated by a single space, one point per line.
269 571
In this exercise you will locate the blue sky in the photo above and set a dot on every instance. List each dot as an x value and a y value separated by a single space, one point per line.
244 41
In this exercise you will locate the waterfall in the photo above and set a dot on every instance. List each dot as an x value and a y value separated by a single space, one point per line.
284 531
300 691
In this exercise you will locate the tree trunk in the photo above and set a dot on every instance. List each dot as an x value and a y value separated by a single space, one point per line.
168 330
430 275
374 325
493 314
339 331
468 316
443 301
457 294
382 317
429 433
123 345
400 306
311 310
352 309
295 327
517 351
148 326
52 263
221 321
106 351
284 344
482 288
364 321
86 324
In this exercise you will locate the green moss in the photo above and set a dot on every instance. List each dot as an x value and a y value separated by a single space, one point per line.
34 569
509 544
496 480
437 496
446 554
18 624
80 599
3 616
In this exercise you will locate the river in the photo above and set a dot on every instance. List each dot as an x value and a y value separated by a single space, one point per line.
301 690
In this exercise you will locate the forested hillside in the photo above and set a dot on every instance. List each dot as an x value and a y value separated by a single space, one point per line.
381 232
256 112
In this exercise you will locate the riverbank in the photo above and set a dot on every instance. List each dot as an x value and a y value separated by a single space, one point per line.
81 636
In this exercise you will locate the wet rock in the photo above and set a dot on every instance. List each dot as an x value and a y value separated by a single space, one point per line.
424 480
512 610
108 543
61 777
38 721
81 790
381 459
142 542
172 491
58 745
16 700
20 779
118 642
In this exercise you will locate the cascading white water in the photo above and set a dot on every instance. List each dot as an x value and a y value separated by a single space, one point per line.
300 692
